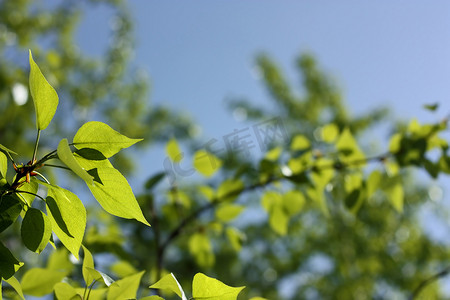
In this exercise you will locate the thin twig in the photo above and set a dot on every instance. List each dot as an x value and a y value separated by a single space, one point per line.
428 281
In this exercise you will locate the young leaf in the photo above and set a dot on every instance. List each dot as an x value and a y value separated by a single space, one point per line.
200 247
36 230
300 142
227 212
293 202
3 165
8 263
44 96
12 281
97 275
206 163
6 150
101 137
154 297
173 150
88 262
207 288
10 209
66 156
64 290
114 193
169 282
28 191
39 282
229 189
126 288
329 132
68 217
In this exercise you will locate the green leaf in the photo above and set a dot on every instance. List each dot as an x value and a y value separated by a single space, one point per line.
3 165
114 193
59 260
322 174
66 156
64 290
206 163
10 209
96 294
97 275
270 199
88 262
348 148
36 230
329 132
154 180
274 154
5 150
293 202
152 298
39 282
300 142
229 189
68 217
12 281
395 143
44 96
126 288
278 220
431 107
174 151
101 137
235 237
207 288
200 247
169 282
123 268
373 182
8 263
30 189
227 212
395 193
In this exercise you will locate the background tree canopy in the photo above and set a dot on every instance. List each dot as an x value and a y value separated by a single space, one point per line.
323 212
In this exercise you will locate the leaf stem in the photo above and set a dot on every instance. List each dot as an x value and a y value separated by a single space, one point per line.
36 146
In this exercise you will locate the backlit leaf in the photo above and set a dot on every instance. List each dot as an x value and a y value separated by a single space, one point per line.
125 288
229 189
44 96
12 281
169 282
35 230
68 217
3 165
113 193
64 290
39 282
207 288
200 247
174 151
206 163
329 132
300 142
88 262
278 220
66 156
293 202
227 212
349 149
101 137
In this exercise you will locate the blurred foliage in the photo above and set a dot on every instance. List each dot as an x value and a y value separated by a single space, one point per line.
320 216
107 87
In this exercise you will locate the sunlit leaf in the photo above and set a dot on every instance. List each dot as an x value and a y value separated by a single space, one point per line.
125 288
227 211
154 297
329 132
274 154
395 143
101 137
235 237
39 282
28 191
300 142
395 194
95 294
123 268
113 193
207 288
66 156
270 199
59 260
35 230
12 281
206 163
64 290
278 220
293 202
88 262
10 209
3 165
229 189
100 276
373 182
169 282
5 150
68 217
200 247
431 107
349 149
174 151
44 96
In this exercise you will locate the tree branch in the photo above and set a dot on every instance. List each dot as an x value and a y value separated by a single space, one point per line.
428 281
